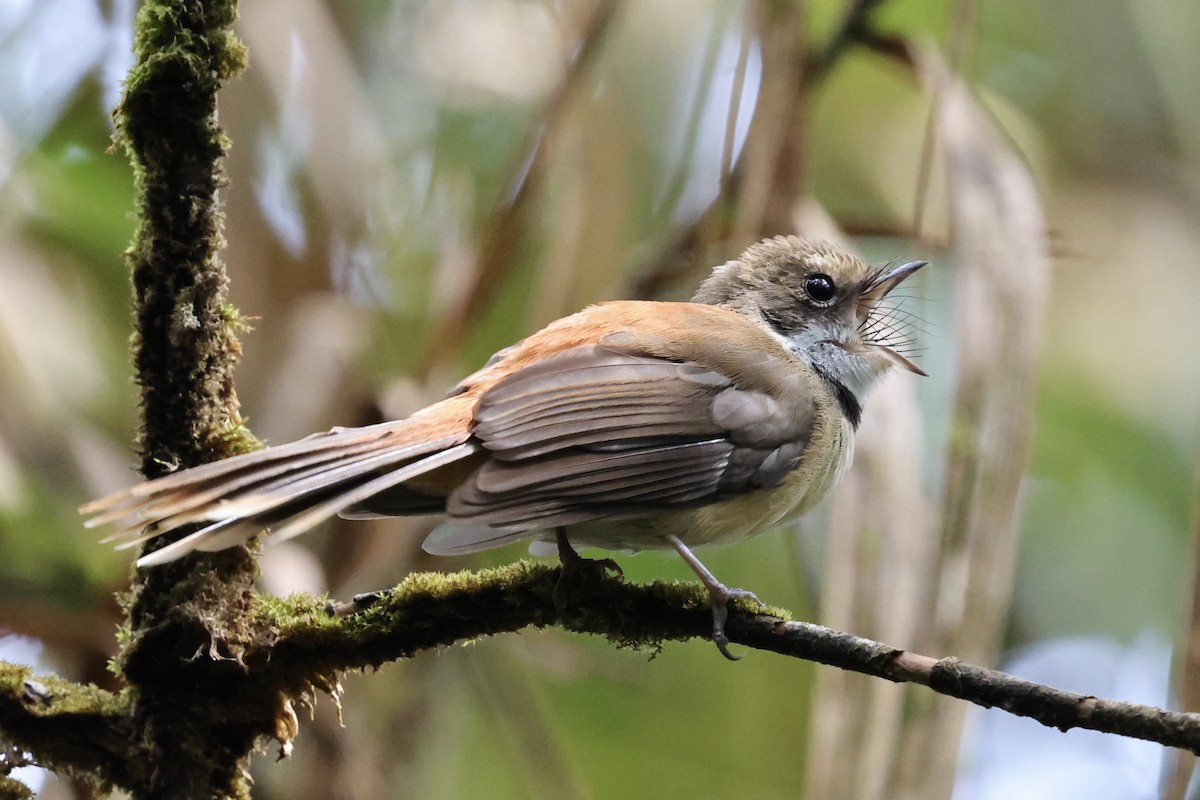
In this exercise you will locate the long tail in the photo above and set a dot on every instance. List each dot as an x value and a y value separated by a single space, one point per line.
284 490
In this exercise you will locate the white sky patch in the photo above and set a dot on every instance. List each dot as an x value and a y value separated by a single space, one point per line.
704 169
283 151
46 50
1006 756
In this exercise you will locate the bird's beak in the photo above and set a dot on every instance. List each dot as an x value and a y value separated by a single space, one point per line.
878 288
875 291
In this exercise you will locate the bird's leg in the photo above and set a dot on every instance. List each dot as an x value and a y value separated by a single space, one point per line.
719 595
572 565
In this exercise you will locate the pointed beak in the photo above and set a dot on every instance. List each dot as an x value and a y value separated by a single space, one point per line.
875 291
878 289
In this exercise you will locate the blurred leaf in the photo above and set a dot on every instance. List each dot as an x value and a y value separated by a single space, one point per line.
83 195
1104 547
1080 431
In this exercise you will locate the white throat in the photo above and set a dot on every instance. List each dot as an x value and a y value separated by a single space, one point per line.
816 344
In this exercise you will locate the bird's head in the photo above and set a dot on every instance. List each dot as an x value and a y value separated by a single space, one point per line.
822 303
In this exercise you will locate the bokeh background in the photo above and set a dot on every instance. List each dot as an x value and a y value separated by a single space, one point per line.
414 184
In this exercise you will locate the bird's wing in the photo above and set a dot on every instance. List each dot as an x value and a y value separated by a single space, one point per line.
610 431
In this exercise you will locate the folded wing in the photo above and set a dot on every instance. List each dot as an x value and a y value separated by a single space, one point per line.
595 433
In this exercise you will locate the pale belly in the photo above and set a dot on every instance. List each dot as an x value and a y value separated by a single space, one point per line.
731 519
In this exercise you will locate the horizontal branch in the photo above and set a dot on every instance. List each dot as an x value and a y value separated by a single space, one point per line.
432 610
77 729
1055 708
303 642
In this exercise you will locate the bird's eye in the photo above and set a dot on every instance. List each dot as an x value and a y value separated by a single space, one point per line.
820 287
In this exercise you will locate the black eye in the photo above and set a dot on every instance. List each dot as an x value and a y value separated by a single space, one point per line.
820 287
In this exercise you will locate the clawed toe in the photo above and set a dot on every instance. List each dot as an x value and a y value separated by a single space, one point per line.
368 599
741 594
719 597
718 593
573 566
609 566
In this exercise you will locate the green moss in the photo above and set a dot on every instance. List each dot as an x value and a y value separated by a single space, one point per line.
185 346
50 695
187 624
13 788
429 610
76 730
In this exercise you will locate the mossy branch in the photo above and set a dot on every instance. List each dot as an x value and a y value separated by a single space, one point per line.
184 346
184 351
433 610
79 731
293 646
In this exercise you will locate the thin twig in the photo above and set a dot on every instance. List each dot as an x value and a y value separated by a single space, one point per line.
1054 708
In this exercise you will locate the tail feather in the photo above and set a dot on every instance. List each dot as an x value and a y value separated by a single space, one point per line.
335 438
268 495
453 538
218 536
281 524
169 509
306 519
285 489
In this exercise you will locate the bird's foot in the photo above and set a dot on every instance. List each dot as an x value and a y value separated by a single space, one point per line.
576 570
719 596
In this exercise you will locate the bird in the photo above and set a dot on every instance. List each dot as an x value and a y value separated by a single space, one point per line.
628 426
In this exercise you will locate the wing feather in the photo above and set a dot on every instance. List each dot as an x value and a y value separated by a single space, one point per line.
597 434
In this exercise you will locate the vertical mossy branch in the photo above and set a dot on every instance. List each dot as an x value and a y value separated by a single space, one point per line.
184 352
184 347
